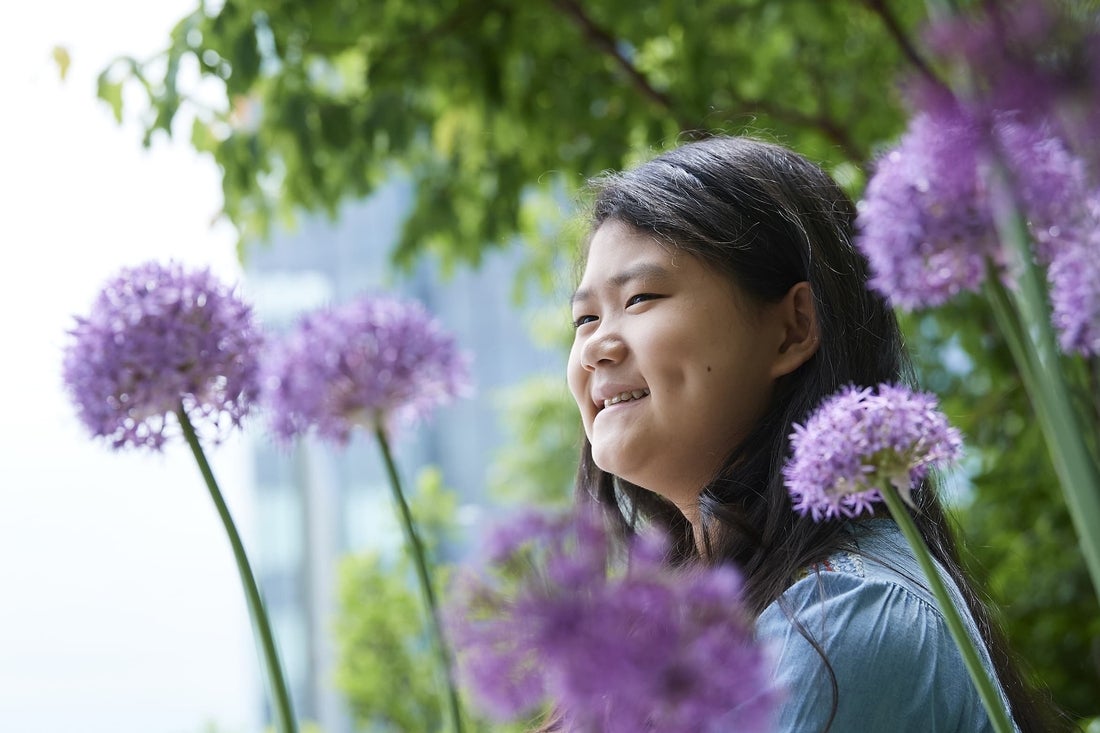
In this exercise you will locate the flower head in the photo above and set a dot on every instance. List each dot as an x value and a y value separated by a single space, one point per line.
1030 58
1074 276
159 337
646 648
368 362
1063 211
1050 183
859 440
924 223
927 223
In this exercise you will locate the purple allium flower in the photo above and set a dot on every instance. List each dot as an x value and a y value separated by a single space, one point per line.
375 360
1074 277
927 224
1063 211
860 439
643 648
1031 108
158 337
1051 184
924 223
1027 57
999 47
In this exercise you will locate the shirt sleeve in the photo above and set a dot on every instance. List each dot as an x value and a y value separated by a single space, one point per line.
895 663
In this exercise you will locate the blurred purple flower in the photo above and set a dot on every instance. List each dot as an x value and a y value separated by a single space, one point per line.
1028 57
1031 108
160 337
649 648
1063 211
860 439
1051 184
927 226
924 223
1074 276
373 361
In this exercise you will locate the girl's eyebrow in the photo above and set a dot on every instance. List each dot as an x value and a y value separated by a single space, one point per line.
640 271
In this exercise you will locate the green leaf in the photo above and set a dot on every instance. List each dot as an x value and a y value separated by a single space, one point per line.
63 60
202 137
111 93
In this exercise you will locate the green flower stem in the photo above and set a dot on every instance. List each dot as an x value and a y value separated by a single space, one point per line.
420 561
1035 349
284 713
991 699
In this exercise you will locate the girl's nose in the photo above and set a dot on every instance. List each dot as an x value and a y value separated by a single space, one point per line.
603 348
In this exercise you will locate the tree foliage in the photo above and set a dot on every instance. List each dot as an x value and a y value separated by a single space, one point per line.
479 101
386 668
492 108
540 463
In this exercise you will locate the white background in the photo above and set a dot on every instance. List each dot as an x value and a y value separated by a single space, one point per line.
120 607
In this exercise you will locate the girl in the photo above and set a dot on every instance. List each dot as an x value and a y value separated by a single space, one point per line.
721 301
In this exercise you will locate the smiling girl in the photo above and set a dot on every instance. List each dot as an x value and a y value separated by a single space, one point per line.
721 301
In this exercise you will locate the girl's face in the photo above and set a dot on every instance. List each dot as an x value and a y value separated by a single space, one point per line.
670 367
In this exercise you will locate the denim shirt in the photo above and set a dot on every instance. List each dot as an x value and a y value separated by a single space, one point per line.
897 667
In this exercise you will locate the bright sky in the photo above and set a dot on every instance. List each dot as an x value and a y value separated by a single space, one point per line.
120 607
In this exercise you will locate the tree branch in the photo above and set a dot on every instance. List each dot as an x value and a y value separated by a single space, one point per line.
827 126
606 43
893 27
416 43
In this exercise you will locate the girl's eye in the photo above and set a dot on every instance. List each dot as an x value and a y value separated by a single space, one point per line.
640 298
583 320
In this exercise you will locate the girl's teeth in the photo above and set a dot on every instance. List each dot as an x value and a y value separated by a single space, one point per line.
625 397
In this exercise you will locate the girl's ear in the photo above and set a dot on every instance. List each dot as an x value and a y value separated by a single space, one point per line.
797 316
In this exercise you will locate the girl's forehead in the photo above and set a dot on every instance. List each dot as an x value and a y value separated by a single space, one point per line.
615 247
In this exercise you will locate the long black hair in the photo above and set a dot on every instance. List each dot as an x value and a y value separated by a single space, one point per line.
768 219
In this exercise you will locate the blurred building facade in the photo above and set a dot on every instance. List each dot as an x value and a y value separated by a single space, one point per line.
314 504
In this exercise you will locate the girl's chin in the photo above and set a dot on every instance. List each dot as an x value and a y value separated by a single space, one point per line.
613 462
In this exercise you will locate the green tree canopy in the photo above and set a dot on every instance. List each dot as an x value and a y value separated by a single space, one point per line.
480 102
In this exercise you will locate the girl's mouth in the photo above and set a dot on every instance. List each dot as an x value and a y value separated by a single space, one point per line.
628 396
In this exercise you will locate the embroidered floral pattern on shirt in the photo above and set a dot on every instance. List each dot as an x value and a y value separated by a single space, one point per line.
839 562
